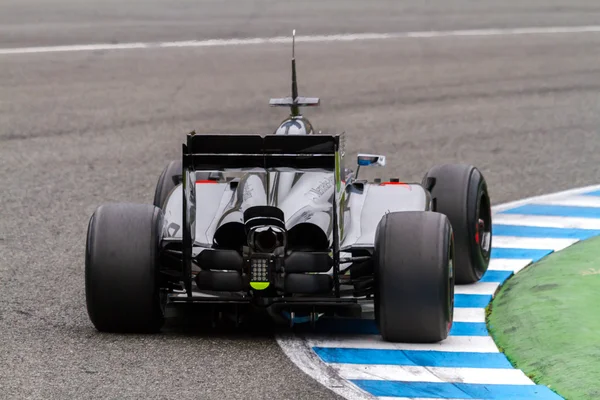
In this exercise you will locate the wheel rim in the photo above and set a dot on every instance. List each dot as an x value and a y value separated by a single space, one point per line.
451 282
483 227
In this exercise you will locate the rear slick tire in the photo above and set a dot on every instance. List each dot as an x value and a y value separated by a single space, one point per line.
460 192
122 286
414 278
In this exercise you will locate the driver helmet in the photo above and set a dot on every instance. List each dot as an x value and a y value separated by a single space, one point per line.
295 126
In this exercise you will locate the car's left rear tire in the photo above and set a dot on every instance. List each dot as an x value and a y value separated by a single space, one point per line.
414 279
122 284
167 181
170 177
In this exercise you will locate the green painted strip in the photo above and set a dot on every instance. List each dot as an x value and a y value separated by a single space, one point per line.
547 321
259 285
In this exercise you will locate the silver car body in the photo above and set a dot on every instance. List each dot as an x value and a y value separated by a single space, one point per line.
304 197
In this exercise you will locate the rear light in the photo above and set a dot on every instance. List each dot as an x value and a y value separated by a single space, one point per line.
260 270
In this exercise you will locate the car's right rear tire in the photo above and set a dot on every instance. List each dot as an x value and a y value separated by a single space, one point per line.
122 284
414 279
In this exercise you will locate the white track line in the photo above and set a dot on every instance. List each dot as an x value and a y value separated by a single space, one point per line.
469 314
532 243
312 38
472 344
546 221
489 376
477 288
578 201
535 199
506 264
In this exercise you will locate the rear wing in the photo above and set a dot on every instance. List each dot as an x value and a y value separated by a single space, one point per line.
271 153
248 152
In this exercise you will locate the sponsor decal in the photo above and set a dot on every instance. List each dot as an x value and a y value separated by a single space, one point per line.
247 193
324 185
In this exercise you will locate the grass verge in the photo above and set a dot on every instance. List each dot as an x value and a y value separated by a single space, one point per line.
546 319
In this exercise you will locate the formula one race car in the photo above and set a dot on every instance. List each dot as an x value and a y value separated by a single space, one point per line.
275 222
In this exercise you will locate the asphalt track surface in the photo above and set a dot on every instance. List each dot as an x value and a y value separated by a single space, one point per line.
79 129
